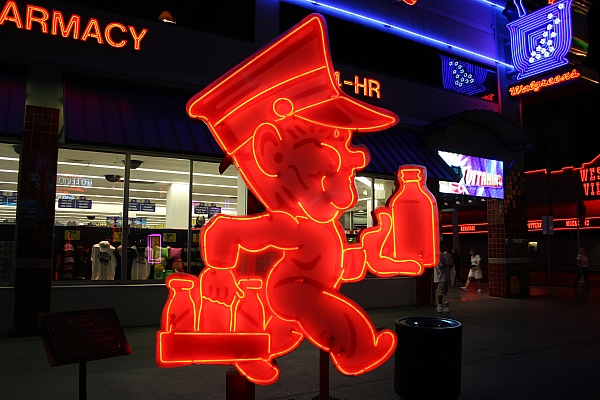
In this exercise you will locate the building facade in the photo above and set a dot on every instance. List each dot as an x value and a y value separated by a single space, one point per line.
99 154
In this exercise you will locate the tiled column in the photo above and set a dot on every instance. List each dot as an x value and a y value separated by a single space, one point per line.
35 218
424 286
508 272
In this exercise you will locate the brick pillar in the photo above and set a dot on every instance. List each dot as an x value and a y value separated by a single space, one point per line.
508 272
35 218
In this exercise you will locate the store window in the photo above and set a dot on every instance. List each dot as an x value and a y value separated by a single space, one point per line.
165 202
9 173
88 214
212 193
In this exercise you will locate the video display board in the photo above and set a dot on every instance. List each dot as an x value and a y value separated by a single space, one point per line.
480 177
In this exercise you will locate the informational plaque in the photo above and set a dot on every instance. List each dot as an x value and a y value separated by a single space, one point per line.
85 335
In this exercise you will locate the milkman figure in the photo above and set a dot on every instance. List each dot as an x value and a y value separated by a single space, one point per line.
283 122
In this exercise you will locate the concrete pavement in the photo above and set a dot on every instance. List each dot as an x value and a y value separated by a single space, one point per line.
546 346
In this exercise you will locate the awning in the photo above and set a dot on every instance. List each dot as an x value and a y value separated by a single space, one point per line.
512 136
395 147
13 89
105 114
127 116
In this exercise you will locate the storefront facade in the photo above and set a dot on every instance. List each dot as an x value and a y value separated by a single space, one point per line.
98 153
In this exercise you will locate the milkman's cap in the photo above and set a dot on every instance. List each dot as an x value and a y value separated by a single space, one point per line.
291 77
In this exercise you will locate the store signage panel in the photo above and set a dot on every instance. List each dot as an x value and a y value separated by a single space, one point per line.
73 202
560 82
209 210
39 19
565 224
479 177
145 206
283 122
73 181
9 199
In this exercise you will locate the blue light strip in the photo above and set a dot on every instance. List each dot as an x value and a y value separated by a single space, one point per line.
491 3
313 4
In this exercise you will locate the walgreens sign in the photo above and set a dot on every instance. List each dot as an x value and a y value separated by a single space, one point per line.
54 22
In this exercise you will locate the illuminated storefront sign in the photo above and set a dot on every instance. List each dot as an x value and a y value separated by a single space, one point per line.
563 224
366 86
589 175
535 86
540 41
273 279
73 181
461 76
479 177
36 18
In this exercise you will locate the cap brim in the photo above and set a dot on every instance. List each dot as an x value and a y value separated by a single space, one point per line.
346 113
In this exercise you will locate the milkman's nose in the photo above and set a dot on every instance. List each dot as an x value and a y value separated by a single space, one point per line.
358 157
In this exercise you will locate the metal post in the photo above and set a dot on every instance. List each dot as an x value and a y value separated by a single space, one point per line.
82 380
323 375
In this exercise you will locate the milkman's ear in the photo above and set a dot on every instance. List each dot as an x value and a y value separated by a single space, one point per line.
267 149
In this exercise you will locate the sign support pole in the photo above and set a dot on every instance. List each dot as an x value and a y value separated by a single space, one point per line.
82 380
323 375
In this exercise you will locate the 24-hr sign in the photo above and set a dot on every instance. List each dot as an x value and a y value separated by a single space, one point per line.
36 18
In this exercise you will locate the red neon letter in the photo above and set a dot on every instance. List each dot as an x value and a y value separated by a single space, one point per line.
108 36
92 30
11 7
137 37
59 22
30 18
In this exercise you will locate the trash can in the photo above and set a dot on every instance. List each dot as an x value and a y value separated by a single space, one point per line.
428 357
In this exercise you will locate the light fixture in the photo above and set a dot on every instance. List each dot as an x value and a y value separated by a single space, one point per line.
16 148
133 164
166 16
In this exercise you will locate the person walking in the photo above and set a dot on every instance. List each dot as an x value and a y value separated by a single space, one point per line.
582 269
457 266
475 271
441 276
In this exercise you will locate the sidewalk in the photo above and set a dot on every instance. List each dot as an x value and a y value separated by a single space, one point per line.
546 346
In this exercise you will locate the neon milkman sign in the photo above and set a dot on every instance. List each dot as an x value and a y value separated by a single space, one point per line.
272 279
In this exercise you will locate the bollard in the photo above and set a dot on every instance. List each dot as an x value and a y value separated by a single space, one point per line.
428 357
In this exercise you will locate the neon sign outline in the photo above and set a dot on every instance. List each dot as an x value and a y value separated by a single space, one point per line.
272 279
41 16
541 40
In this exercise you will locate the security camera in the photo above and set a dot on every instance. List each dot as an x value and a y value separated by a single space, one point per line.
112 178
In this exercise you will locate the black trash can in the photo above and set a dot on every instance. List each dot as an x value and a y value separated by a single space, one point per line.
428 357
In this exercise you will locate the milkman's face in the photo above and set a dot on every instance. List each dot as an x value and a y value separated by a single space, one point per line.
316 170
